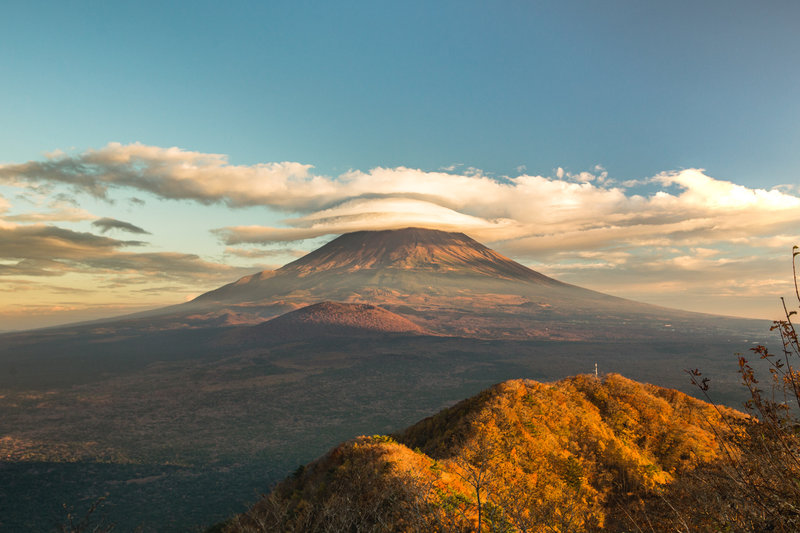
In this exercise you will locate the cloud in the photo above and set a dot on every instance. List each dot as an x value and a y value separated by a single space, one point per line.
43 242
42 250
167 265
251 253
173 173
532 215
707 193
58 214
51 208
25 285
168 173
365 213
535 217
585 221
105 224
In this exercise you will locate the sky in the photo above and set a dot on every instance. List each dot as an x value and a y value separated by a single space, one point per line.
152 151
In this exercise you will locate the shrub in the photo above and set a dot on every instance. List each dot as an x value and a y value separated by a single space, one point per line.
757 486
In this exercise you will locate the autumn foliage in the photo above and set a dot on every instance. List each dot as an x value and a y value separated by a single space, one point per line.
521 456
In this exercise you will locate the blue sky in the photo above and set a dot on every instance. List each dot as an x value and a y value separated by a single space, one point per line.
624 91
637 87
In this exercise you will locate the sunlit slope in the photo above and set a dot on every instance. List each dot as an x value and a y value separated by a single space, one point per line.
581 454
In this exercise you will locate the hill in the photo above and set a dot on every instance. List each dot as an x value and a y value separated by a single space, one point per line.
333 319
581 454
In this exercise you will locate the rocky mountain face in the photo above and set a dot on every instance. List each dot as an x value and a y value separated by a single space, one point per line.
365 261
423 250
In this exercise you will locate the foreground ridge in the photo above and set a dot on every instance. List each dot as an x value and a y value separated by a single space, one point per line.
581 454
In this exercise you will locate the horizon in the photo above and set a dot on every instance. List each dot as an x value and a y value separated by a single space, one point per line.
648 152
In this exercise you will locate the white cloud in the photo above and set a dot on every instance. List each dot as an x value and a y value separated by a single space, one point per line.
62 214
169 173
46 207
686 221
535 215
706 192
366 213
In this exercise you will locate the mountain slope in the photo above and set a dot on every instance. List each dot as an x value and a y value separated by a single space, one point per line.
412 248
448 284
357 260
521 456
333 319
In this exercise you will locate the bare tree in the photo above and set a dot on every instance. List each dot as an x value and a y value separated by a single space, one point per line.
757 485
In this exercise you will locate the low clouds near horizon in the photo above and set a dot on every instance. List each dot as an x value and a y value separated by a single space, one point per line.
678 221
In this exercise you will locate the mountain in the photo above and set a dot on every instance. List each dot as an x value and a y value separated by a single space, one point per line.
391 264
445 283
333 319
581 454
422 250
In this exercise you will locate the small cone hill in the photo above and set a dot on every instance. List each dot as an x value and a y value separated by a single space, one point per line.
334 319
582 454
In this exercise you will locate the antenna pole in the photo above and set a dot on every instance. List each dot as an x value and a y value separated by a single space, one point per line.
595 370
